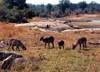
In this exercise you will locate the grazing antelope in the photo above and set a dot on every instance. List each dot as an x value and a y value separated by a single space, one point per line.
48 40
60 43
80 41
15 42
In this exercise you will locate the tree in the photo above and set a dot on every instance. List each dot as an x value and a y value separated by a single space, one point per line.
14 14
42 8
14 1
77 12
92 9
63 4
54 8
93 3
86 11
28 13
73 6
48 8
19 3
98 10
3 12
82 5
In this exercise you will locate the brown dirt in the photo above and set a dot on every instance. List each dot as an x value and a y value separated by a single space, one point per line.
82 20
31 39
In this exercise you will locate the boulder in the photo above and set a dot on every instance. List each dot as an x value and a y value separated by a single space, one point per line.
12 62
4 54
18 62
6 63
4 44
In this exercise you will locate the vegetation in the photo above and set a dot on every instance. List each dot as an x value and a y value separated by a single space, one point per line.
65 8
82 5
53 60
18 11
19 3
15 11
48 8
50 60
63 4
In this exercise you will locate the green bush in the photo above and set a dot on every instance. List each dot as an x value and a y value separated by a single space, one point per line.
42 15
57 15
12 19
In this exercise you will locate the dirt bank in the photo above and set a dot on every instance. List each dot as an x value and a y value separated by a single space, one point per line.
64 24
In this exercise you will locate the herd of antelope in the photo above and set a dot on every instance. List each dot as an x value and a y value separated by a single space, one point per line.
10 59
48 40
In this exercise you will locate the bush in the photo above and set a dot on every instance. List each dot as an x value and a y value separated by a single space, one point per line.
42 15
12 19
77 12
57 15
13 13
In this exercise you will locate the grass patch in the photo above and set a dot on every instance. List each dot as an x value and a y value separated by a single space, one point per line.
53 60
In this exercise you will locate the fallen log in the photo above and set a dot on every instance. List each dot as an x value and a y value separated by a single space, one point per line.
94 43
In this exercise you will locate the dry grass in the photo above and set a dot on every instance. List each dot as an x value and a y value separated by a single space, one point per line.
9 31
54 60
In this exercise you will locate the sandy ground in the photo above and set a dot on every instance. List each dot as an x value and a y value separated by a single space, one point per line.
62 24
57 25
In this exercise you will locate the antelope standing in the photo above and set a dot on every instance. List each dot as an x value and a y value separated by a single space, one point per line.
48 40
60 43
80 41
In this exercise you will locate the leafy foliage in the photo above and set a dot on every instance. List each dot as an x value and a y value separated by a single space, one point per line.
63 4
82 5
48 8
28 13
19 3
64 8
15 11
19 11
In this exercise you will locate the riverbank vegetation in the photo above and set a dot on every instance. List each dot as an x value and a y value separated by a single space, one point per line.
65 8
17 11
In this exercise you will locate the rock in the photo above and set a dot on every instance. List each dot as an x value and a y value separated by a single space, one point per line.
6 63
13 62
62 22
94 43
65 22
4 54
71 25
20 62
4 44
51 20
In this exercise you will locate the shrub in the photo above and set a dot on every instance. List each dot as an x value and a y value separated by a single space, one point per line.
42 15
56 15
12 19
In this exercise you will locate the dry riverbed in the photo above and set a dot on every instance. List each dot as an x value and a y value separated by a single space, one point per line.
63 24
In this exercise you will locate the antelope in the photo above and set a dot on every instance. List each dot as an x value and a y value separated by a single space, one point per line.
48 40
60 43
80 41
15 42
